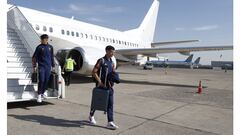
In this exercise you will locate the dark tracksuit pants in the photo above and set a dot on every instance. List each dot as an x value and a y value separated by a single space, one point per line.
68 77
44 75
110 107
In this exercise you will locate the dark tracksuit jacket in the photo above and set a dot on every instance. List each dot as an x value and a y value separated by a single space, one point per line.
43 55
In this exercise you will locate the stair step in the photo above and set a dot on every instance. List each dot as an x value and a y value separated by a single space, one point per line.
19 64
22 88
18 54
21 96
21 50
17 81
11 31
13 37
22 75
12 34
14 41
19 59
19 69
20 46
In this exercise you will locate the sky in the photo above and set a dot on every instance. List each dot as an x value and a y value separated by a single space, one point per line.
210 21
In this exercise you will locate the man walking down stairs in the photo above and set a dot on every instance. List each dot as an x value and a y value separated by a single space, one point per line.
43 56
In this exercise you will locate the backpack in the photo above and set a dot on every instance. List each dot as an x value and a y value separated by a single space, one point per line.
100 71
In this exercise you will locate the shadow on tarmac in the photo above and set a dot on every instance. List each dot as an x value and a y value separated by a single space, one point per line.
26 104
51 121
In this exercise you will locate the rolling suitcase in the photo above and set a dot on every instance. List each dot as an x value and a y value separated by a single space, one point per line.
53 81
100 96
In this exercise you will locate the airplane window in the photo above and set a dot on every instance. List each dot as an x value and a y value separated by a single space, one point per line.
91 36
103 39
107 39
113 41
99 38
77 34
68 33
81 35
44 28
72 33
120 42
37 27
110 40
116 41
125 43
63 32
95 37
50 29
86 35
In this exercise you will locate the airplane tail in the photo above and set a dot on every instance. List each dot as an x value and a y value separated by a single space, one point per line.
197 61
147 28
189 59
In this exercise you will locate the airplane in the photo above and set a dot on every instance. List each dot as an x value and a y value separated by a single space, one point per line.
169 63
178 64
196 63
86 42
188 61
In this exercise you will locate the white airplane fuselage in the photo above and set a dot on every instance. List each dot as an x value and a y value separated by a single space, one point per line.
76 36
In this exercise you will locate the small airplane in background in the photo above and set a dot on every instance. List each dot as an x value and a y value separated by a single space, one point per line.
178 64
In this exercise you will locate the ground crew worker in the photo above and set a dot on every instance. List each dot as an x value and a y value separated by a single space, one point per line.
68 69
44 57
105 61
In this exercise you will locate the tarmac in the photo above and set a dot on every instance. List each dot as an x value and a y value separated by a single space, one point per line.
147 102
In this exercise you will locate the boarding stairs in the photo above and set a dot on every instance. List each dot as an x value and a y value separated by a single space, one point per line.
21 43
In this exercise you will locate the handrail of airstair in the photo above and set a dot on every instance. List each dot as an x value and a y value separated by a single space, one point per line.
30 38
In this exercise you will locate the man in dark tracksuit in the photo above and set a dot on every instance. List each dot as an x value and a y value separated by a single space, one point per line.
44 57
103 64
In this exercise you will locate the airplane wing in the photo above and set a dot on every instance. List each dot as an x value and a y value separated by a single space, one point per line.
182 50
158 44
